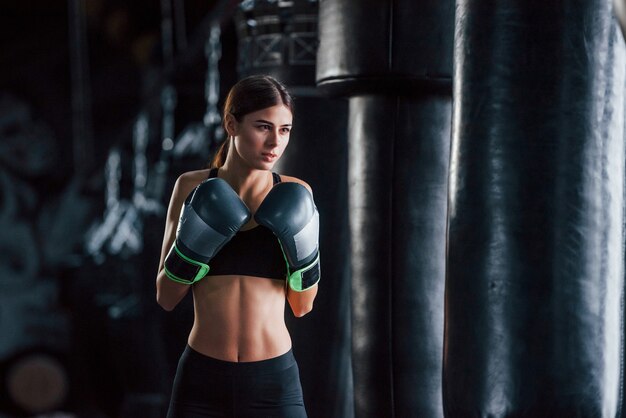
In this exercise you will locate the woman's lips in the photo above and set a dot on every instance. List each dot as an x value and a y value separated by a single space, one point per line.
268 156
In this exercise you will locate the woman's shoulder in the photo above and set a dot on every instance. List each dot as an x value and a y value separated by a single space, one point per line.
290 179
189 180
195 175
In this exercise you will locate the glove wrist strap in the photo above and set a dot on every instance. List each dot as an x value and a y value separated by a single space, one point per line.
306 277
182 269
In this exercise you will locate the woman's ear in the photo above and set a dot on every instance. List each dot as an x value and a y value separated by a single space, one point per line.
230 123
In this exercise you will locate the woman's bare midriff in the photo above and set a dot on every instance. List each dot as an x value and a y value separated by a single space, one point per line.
239 318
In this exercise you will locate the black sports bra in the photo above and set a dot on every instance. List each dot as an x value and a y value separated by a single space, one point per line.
254 252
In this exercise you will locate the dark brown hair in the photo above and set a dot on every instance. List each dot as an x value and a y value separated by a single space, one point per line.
250 94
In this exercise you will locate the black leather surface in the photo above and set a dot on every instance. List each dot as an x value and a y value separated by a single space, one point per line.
420 177
370 175
535 252
384 46
399 152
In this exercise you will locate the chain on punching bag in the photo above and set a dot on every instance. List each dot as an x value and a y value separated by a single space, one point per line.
535 259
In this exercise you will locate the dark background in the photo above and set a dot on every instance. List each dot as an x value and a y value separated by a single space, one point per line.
95 317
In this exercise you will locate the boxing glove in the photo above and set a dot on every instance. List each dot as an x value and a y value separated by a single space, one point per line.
290 213
211 215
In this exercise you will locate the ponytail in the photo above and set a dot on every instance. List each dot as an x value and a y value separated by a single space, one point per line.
220 156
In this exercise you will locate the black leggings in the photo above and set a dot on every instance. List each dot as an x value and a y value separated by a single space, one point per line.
208 387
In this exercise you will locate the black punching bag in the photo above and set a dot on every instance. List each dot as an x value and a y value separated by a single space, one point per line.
385 46
398 204
393 59
535 251
280 39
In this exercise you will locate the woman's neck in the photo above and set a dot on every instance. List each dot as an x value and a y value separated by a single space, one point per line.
245 180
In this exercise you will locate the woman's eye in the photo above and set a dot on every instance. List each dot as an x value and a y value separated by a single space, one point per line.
265 127
285 130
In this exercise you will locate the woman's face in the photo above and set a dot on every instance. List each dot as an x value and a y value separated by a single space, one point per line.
262 136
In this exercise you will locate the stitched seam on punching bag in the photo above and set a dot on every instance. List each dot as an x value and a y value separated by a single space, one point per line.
620 399
447 250
390 260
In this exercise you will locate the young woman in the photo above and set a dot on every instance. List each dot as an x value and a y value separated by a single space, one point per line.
243 239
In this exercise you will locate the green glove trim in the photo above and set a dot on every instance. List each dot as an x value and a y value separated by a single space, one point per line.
306 277
177 265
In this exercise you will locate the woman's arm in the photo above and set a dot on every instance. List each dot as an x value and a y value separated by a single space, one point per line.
168 292
301 303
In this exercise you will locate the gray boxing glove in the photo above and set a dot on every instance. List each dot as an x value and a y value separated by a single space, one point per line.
289 211
211 215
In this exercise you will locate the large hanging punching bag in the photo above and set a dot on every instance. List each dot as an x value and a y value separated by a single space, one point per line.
393 59
280 39
385 47
398 201
535 252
